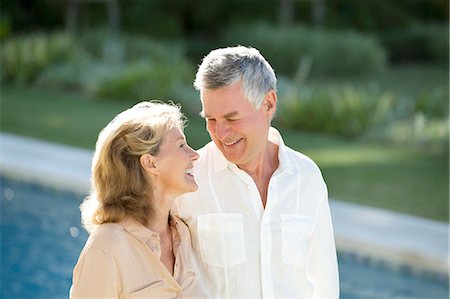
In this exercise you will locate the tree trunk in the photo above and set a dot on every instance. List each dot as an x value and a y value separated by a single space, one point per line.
286 12
318 12
71 16
113 16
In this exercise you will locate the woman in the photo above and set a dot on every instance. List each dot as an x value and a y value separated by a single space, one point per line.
136 248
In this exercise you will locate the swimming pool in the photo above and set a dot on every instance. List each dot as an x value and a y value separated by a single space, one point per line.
41 237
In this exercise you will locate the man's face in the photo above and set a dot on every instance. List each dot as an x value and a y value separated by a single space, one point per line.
237 128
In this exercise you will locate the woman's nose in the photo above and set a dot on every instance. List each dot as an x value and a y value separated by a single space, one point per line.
194 154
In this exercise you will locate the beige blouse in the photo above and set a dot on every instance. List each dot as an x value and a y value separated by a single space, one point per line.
122 260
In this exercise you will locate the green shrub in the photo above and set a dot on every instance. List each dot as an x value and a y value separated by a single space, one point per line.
142 80
433 103
345 111
360 112
123 67
23 58
418 43
420 131
347 53
140 68
439 43
331 53
101 45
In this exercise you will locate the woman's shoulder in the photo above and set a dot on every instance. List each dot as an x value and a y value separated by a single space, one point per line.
105 235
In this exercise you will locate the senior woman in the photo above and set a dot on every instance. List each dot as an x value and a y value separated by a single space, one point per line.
136 248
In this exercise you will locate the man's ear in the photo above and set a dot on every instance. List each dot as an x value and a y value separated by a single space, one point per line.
270 103
147 162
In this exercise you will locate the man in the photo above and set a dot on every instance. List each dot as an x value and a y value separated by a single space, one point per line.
260 221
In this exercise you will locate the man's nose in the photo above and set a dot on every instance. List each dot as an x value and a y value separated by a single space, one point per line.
222 130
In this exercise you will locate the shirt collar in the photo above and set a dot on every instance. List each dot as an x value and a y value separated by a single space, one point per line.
147 236
138 230
221 163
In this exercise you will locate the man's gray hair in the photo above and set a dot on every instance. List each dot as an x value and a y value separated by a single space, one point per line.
226 66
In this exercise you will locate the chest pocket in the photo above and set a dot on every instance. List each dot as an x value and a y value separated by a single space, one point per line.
221 238
295 233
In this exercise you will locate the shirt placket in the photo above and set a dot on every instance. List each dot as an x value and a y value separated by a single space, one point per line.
266 242
255 197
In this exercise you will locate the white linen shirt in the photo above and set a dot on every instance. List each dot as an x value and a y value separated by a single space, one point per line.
243 250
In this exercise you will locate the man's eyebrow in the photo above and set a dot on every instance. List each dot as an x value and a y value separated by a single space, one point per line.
228 115
231 114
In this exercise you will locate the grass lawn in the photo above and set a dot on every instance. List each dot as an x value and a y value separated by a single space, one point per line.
395 178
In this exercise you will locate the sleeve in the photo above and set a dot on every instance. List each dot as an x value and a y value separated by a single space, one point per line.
94 275
323 266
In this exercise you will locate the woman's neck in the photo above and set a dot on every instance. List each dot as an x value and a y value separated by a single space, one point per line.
159 222
161 205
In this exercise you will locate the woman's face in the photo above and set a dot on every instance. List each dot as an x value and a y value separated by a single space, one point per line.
174 164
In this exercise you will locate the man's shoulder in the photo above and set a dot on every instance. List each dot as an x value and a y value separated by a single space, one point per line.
301 160
205 153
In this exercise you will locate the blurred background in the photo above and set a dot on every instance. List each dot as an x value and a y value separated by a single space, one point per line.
363 85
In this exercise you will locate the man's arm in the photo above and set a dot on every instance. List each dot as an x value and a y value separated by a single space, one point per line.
323 267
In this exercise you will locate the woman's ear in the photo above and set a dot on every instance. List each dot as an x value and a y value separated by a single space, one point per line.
147 162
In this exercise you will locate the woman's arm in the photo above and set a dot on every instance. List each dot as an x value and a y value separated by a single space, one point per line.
94 276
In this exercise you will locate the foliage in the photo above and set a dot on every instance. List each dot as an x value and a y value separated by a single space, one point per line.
421 132
182 18
122 66
421 121
103 45
346 111
66 76
433 103
331 53
204 21
24 57
142 80
418 42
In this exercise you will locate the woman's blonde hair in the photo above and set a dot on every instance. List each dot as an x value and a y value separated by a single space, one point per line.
119 187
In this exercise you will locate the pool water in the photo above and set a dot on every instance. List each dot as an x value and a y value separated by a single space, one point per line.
41 238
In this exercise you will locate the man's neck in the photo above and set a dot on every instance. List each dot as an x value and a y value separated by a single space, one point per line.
262 170
264 165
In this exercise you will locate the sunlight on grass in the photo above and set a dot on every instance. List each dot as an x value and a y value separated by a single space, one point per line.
348 156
